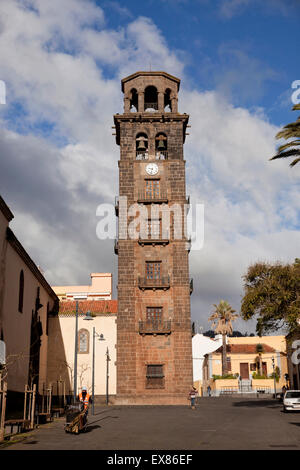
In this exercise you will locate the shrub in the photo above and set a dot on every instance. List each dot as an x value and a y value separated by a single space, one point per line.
256 375
226 376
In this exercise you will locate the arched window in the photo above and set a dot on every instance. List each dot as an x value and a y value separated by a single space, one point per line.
133 101
161 147
141 146
83 341
167 101
21 291
151 99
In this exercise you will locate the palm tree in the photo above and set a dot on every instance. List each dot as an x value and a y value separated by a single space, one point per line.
222 319
260 351
290 131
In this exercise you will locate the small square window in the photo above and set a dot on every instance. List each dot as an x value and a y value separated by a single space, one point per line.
155 376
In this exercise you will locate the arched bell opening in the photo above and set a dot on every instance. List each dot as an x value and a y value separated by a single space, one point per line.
141 146
133 101
151 99
167 101
161 146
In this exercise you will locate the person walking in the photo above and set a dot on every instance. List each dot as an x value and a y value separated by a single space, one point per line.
192 396
209 390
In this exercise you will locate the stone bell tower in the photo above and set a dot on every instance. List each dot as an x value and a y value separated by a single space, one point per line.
154 347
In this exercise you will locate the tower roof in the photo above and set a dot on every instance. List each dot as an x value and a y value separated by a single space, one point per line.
149 74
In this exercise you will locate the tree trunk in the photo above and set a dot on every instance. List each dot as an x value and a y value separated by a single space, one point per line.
260 365
224 356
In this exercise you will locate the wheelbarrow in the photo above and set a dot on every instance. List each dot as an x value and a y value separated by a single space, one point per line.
76 419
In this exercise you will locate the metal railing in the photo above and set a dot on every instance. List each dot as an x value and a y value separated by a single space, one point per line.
162 282
161 155
142 155
148 196
155 327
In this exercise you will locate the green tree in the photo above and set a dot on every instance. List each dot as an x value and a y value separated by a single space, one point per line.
290 149
272 296
222 319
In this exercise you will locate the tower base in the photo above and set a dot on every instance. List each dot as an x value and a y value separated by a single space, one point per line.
165 400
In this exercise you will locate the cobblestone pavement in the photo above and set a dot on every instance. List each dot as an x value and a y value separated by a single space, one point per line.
216 423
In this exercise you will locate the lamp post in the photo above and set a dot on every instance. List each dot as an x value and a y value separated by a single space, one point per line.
107 374
101 338
273 364
88 314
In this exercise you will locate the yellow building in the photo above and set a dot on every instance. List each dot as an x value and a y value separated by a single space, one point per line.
243 363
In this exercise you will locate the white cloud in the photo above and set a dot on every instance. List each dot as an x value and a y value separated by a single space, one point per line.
55 64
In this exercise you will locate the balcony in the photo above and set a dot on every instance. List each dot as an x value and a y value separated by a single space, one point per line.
188 244
117 205
142 155
116 247
191 285
188 204
159 283
161 155
147 197
153 241
155 327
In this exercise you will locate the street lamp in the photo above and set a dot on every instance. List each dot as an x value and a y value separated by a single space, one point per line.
273 364
101 338
87 317
107 373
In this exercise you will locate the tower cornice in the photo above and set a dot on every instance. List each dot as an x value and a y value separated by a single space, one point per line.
150 118
150 74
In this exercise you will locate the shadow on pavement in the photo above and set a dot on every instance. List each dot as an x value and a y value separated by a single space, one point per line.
101 419
91 428
258 404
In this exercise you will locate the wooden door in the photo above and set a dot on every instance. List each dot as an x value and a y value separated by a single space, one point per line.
244 370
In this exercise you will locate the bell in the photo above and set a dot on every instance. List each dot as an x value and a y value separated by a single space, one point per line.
161 145
141 145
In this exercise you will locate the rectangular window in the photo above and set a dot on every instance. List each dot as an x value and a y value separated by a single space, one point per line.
228 363
154 314
152 189
154 228
153 269
155 376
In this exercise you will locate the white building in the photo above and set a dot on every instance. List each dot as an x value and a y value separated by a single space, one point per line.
202 345
62 346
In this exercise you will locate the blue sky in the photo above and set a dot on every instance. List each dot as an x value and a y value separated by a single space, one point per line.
254 38
62 62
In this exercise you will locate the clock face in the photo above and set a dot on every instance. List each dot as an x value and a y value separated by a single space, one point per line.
152 168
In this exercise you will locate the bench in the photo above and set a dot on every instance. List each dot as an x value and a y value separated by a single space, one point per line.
263 389
20 424
228 390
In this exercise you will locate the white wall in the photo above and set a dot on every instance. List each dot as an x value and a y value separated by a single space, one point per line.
202 345
62 348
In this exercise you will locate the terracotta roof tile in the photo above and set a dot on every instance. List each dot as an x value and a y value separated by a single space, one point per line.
245 348
94 306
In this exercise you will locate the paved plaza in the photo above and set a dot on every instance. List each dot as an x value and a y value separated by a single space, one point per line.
216 423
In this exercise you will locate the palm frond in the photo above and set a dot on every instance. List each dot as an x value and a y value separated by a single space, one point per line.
289 153
295 162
